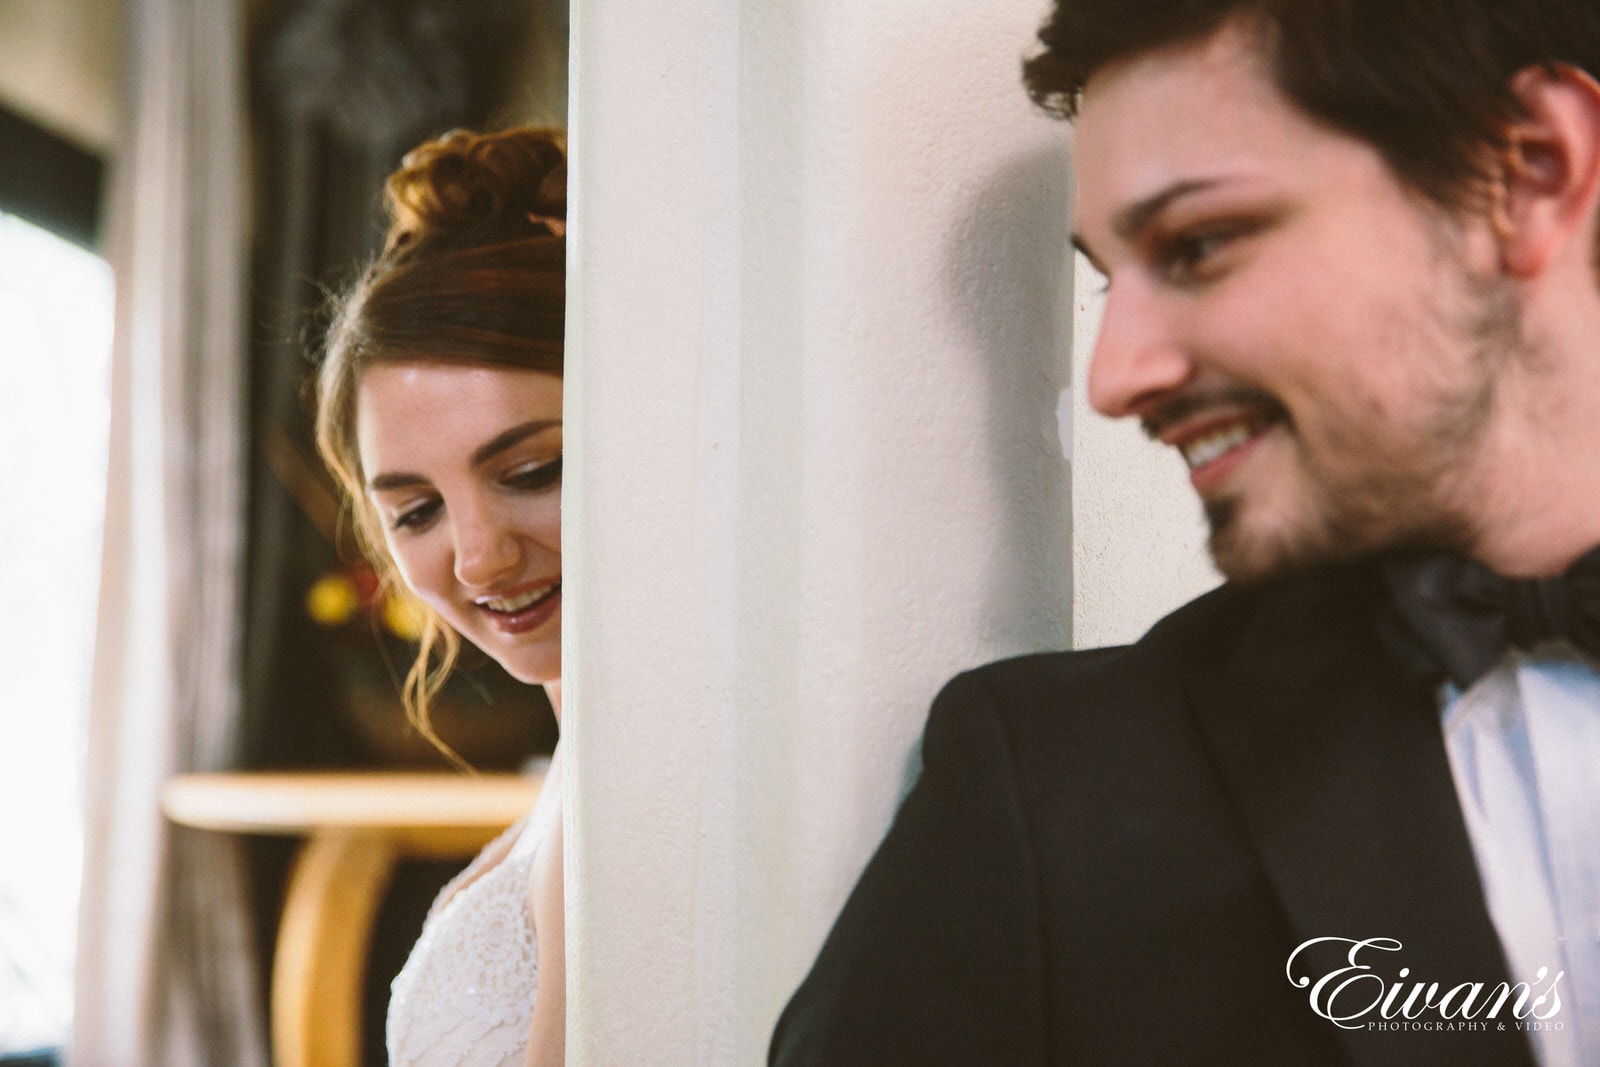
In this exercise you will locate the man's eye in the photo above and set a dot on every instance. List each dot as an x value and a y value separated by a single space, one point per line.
1184 259
536 479
416 518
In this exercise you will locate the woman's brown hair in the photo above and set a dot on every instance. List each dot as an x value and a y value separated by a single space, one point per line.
473 270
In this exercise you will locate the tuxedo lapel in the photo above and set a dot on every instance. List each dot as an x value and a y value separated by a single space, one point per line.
1337 770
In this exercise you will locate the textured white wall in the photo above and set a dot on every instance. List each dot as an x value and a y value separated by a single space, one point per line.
1138 544
819 325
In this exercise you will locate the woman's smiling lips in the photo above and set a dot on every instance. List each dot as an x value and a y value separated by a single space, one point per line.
525 608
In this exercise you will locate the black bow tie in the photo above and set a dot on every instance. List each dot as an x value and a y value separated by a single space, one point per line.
1464 617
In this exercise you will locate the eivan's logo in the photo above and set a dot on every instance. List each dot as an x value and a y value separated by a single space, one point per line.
1355 996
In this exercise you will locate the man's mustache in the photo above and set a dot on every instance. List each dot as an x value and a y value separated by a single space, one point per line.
1170 412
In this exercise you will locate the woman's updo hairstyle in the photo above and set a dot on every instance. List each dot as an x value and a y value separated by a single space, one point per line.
473 270
468 189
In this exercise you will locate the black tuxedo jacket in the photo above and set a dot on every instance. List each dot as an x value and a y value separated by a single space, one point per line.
1110 855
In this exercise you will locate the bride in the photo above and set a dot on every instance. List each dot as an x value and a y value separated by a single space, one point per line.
439 411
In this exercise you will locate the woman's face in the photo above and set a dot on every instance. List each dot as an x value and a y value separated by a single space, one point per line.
463 463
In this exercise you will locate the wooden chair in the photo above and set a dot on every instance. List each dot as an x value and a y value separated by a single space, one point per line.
357 827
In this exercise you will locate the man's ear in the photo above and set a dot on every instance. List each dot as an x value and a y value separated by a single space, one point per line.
1549 172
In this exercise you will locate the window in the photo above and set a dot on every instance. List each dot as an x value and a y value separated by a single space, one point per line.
55 342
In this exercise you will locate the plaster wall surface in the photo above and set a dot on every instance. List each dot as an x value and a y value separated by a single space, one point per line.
819 324
1138 545
824 330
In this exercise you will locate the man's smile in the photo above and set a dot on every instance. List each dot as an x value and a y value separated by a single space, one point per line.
1213 432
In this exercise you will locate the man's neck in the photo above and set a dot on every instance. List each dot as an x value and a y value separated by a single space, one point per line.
1537 504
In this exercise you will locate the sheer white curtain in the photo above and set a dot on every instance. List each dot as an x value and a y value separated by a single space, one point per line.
166 970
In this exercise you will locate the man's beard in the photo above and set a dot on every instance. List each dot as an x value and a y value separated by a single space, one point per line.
1407 490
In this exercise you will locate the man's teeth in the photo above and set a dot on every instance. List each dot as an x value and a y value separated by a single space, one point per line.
511 605
1203 450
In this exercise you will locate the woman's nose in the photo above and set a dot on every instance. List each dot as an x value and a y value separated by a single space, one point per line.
487 549
1137 356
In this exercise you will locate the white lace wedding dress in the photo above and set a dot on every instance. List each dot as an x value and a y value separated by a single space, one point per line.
465 996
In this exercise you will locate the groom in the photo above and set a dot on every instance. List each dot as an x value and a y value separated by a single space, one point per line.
1345 809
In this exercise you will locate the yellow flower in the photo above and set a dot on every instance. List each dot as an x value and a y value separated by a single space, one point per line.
332 600
404 615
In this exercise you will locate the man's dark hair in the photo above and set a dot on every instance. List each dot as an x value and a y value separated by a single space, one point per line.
1427 82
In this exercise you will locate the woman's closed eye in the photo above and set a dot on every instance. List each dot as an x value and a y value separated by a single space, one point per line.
536 478
416 517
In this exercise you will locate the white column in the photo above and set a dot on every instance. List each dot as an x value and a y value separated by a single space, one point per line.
820 326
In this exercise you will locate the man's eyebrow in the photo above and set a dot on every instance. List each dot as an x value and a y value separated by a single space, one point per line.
1134 219
480 455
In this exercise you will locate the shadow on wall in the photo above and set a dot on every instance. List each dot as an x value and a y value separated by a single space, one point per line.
1008 279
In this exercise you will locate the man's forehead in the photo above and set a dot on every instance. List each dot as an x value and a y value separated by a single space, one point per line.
1237 46
1187 116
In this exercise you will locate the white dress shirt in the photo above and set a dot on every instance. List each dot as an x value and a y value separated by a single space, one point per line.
1524 750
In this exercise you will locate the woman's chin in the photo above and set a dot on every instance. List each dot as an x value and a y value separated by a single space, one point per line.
534 670
536 661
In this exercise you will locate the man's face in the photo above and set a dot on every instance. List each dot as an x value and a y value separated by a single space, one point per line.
1319 343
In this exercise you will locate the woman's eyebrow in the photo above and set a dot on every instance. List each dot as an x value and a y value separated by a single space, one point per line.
397 480
481 455
509 438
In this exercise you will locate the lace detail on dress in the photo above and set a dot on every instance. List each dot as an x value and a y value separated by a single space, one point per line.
465 996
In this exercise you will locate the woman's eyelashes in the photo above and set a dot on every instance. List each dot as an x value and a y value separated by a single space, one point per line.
536 477
417 517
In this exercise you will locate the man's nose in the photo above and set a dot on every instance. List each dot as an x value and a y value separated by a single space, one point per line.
487 549
1138 356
